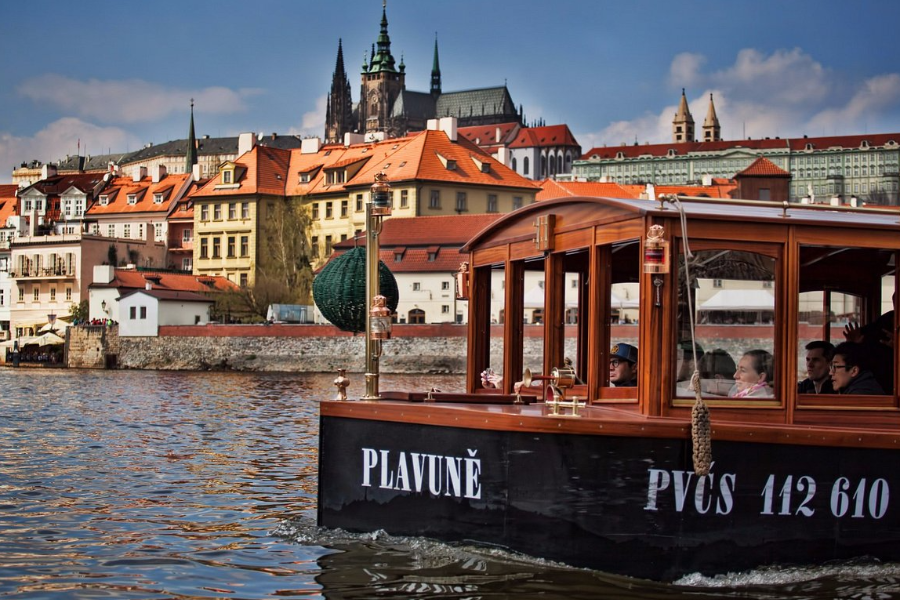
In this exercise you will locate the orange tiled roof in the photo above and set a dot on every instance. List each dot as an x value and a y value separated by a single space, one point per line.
487 135
8 202
261 170
763 167
559 189
120 188
126 279
549 135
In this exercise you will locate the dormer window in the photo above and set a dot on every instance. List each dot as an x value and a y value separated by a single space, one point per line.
448 163
864 145
104 200
671 153
227 176
157 198
304 177
132 199
620 155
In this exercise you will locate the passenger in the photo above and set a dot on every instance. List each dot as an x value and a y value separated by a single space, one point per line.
818 377
717 364
848 372
877 342
623 365
753 376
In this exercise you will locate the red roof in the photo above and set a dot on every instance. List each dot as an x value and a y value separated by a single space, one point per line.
487 136
763 167
131 279
7 202
550 135
792 144
145 191
560 189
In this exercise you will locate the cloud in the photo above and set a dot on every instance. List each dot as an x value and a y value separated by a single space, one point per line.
59 139
313 122
129 100
786 93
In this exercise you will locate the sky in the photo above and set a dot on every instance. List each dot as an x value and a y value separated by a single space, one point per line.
100 76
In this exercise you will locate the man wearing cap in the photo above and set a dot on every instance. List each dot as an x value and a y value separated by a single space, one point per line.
623 365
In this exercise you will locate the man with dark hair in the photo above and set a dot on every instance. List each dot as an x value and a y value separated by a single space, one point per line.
623 365
818 358
848 372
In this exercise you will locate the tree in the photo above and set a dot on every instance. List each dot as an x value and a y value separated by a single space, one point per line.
283 271
79 312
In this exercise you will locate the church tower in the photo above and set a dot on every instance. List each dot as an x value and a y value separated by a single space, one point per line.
381 84
712 131
190 158
339 112
435 72
683 124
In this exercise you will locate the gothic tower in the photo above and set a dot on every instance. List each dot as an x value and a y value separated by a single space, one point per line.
712 131
382 83
191 154
683 124
435 72
339 112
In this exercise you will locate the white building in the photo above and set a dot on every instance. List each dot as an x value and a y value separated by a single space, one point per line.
142 312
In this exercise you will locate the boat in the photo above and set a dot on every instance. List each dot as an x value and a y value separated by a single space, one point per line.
676 474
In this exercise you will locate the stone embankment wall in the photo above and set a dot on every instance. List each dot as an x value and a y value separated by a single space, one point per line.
92 346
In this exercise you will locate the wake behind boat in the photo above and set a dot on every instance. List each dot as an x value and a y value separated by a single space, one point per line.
553 460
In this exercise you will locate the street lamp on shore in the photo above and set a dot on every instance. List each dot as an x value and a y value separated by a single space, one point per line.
378 325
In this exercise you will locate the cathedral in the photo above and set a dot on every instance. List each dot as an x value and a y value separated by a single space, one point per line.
386 108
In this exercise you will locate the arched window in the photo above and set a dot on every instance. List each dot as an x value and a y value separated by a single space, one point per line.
416 316
559 164
525 162
514 163
543 171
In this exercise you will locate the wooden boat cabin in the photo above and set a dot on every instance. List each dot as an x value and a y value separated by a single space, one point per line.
580 470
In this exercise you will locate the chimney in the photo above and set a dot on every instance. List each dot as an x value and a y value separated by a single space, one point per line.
195 172
351 138
48 171
498 135
159 173
139 173
448 126
310 145
246 141
503 155
148 286
104 273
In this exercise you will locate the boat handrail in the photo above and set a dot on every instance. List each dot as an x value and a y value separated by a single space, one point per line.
785 205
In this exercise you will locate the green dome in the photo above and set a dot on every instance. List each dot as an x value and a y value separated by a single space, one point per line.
339 290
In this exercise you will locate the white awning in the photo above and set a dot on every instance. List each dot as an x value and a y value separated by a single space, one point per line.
740 300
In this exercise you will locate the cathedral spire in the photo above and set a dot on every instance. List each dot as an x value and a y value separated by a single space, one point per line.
683 124
191 155
339 109
435 71
383 60
712 131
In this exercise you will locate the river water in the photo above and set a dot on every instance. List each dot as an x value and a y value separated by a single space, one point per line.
128 484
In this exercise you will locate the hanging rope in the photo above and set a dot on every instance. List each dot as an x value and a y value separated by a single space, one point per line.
701 437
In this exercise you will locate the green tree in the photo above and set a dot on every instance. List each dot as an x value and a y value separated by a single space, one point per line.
79 312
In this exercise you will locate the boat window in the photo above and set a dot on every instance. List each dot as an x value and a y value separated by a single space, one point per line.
620 276
846 294
733 301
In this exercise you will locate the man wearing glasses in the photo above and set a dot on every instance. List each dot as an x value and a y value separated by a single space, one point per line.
623 365
848 375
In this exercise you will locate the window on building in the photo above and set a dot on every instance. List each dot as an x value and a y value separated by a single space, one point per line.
2 298
517 202
244 280
345 208
157 231
245 246
216 248
315 211
21 294
143 312
492 203
232 211
217 212
132 313
110 231
417 286
445 285
186 235
525 166
329 211
36 293
157 198
416 316
445 309
435 201
226 176
245 210
404 198
314 247
187 264
514 167
359 203
126 230
53 294
230 248
461 203
132 199
204 248
204 212
328 245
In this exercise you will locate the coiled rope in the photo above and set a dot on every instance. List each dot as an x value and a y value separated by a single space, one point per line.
701 435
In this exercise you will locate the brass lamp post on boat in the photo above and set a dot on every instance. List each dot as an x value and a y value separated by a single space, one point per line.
378 324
